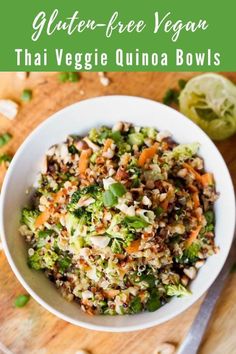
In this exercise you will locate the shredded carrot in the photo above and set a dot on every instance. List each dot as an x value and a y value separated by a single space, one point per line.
134 246
42 218
193 171
169 196
107 144
147 154
111 293
193 236
57 196
192 188
84 160
165 203
196 200
207 179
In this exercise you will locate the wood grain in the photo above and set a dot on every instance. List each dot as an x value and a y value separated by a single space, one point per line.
33 330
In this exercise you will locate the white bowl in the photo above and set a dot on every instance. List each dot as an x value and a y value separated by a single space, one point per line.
79 118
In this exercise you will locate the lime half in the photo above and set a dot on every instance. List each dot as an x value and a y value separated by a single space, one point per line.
210 101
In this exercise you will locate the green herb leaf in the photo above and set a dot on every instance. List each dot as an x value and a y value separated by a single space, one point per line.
171 96
118 189
153 302
44 233
72 149
135 222
109 199
5 158
5 138
73 77
63 77
26 95
182 83
21 300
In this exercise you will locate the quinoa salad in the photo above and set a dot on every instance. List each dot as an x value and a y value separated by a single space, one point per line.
121 219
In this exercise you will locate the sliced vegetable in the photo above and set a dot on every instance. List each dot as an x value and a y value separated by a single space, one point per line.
5 158
207 179
109 199
29 217
136 222
136 139
147 154
177 290
21 300
5 138
42 218
63 77
196 200
26 95
153 302
108 144
210 217
133 247
84 160
193 236
73 76
136 305
118 189
197 175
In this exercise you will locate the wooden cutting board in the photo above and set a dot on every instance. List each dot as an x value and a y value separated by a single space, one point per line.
33 330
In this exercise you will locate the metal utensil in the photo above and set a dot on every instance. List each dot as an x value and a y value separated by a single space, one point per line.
195 335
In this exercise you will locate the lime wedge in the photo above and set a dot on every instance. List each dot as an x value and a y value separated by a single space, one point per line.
210 101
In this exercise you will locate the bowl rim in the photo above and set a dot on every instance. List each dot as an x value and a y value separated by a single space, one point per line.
21 279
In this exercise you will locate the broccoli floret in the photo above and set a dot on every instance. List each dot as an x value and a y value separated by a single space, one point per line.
49 259
153 302
177 290
116 246
136 305
190 254
72 223
35 261
135 139
185 151
100 135
41 259
28 217
64 263
123 148
90 191
149 132
93 135
76 225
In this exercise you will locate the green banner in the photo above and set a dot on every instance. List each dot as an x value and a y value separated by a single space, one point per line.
124 35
